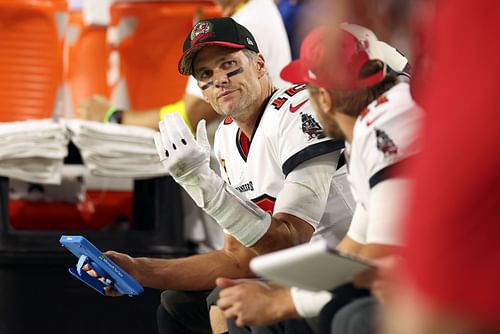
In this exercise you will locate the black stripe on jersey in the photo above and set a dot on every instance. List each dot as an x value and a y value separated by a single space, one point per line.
398 169
265 196
341 162
310 152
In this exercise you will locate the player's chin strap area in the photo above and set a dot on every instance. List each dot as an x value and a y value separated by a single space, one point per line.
187 161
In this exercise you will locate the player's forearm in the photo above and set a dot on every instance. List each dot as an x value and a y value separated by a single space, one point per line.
348 245
196 109
285 231
376 251
147 118
196 272
284 308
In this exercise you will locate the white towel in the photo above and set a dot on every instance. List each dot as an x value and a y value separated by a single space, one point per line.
33 150
30 126
36 170
115 131
110 146
116 150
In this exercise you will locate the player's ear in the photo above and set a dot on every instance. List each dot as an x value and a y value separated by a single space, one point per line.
325 100
260 64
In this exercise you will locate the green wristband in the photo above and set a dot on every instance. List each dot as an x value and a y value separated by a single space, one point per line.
109 113
113 115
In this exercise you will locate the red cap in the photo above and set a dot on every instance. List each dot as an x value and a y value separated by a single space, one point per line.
335 59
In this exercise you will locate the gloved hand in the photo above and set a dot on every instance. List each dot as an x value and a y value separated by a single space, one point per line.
188 160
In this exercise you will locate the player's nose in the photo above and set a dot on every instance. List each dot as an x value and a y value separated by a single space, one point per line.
221 79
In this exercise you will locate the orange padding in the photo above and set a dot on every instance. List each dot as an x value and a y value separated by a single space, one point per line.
98 211
31 48
87 59
149 56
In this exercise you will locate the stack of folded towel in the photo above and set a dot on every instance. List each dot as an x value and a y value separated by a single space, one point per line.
33 150
116 150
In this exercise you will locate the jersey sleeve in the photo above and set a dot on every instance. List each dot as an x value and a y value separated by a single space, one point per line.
358 228
386 145
306 189
388 201
297 134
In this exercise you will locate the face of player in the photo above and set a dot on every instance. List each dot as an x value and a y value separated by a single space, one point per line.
229 80
324 112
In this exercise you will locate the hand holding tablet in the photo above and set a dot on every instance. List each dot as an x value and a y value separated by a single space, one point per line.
109 272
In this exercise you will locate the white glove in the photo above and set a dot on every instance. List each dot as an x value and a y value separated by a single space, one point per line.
187 161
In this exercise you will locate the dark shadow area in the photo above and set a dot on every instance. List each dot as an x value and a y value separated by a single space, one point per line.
38 295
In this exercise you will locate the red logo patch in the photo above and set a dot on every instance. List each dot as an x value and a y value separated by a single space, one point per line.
265 202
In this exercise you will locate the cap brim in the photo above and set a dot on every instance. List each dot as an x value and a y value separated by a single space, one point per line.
295 72
185 65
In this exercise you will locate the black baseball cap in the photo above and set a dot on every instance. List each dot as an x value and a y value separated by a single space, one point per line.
223 31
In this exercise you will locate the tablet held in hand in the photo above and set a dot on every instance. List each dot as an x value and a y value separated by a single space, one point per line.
109 273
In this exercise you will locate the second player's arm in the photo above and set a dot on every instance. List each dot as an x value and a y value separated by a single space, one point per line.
96 107
196 109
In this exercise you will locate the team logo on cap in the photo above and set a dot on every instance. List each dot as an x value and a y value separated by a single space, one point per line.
201 28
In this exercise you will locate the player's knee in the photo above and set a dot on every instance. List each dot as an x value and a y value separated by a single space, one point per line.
174 301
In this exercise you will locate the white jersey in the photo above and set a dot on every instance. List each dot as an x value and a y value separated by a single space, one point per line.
286 135
385 135
263 19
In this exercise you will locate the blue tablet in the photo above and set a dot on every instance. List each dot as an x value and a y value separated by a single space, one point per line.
112 274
